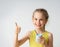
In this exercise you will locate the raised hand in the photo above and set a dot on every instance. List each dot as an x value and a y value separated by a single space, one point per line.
18 28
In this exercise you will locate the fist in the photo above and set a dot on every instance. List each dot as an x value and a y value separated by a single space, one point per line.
40 39
18 28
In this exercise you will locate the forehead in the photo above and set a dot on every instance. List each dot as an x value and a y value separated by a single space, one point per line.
38 15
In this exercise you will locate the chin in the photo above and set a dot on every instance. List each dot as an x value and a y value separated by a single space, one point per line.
38 27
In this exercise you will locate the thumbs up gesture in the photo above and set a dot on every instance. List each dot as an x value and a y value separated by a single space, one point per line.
18 28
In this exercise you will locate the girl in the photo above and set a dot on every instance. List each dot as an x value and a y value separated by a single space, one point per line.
38 37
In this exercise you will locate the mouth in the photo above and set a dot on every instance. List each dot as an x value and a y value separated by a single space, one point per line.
38 25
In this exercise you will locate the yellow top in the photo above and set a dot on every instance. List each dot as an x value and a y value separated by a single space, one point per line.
33 42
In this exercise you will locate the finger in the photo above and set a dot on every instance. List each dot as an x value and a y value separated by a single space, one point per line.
16 23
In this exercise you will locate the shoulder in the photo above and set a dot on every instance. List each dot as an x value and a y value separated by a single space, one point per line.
50 39
50 35
28 33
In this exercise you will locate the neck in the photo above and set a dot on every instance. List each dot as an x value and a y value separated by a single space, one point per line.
40 30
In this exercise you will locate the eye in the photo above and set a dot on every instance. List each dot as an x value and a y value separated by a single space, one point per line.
41 19
35 18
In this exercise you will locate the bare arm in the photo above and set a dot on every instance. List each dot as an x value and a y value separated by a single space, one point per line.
16 40
21 41
24 39
16 35
50 44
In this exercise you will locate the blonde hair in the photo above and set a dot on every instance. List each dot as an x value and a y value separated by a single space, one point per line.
43 11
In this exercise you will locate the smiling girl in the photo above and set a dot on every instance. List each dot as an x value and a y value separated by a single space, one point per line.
38 37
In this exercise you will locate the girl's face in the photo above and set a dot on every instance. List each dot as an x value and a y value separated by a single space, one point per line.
39 20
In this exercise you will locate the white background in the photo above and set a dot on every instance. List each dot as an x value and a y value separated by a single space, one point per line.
20 11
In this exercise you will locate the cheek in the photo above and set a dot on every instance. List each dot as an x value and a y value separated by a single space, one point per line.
43 22
34 22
